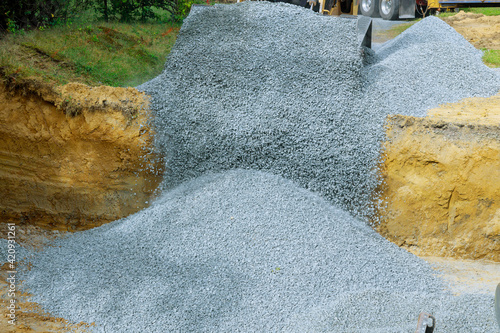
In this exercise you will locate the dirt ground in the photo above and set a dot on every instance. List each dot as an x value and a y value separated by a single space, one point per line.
473 110
480 30
467 276
86 146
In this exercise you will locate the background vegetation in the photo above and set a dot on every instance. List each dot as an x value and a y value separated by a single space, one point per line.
115 54
112 42
16 15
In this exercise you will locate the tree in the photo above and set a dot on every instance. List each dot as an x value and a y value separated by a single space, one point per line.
26 14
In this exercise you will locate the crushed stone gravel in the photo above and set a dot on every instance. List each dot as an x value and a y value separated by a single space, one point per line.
265 86
260 86
17 251
241 251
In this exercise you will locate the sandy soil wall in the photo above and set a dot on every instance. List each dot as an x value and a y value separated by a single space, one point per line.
442 181
75 157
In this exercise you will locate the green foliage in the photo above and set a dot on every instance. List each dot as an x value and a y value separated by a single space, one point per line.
141 10
182 9
16 15
12 27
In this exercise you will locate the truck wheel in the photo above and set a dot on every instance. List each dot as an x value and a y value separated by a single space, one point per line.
389 9
369 8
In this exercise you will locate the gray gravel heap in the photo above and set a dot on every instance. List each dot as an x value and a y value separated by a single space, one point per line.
428 64
257 86
242 251
278 88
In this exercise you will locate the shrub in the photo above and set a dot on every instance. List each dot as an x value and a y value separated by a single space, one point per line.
16 15
142 10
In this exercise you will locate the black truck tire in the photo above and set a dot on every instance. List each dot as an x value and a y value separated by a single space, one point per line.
389 9
369 8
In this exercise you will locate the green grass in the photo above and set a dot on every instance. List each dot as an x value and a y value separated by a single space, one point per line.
491 58
398 29
383 36
115 54
488 11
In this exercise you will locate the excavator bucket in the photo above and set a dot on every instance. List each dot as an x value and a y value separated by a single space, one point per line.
365 31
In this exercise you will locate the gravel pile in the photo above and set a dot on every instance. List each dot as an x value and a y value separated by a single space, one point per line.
242 251
19 251
264 86
256 86
428 64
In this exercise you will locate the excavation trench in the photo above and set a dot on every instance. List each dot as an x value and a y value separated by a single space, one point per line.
75 158
75 172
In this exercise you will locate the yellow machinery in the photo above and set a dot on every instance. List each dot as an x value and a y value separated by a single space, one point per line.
336 7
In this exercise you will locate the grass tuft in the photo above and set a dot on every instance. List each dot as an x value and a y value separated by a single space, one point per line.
398 29
491 58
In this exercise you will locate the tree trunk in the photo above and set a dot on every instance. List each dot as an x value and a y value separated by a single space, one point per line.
106 10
